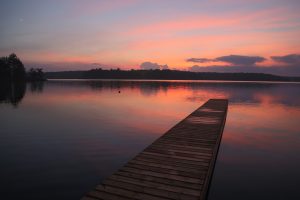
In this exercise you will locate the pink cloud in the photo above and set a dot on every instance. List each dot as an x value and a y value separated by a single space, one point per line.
189 23
269 18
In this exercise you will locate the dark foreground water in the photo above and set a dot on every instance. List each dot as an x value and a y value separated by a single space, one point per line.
61 138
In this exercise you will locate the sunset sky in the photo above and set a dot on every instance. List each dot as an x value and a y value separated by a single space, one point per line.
197 35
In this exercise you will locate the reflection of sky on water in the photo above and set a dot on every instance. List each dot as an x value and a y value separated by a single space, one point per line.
251 92
259 155
66 136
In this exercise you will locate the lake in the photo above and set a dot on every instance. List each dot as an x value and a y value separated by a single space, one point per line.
61 138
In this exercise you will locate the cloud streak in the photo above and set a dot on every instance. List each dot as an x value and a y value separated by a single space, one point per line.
288 65
200 60
241 60
230 59
287 59
276 70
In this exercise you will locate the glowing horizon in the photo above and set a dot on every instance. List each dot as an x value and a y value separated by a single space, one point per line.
73 34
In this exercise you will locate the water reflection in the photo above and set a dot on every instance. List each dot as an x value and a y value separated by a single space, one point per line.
252 92
36 86
236 92
66 136
12 93
260 145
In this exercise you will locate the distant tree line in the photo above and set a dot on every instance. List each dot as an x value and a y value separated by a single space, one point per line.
165 75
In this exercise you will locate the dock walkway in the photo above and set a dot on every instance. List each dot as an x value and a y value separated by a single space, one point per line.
178 165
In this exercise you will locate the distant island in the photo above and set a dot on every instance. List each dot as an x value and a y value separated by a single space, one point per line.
166 75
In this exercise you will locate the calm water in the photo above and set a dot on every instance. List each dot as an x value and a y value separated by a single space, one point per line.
59 139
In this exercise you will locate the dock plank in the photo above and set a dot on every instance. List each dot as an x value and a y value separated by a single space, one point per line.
161 180
178 165
157 185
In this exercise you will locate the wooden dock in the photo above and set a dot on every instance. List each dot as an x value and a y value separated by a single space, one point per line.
178 165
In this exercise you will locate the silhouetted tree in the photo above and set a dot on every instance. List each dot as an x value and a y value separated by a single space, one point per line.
4 69
11 68
12 79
